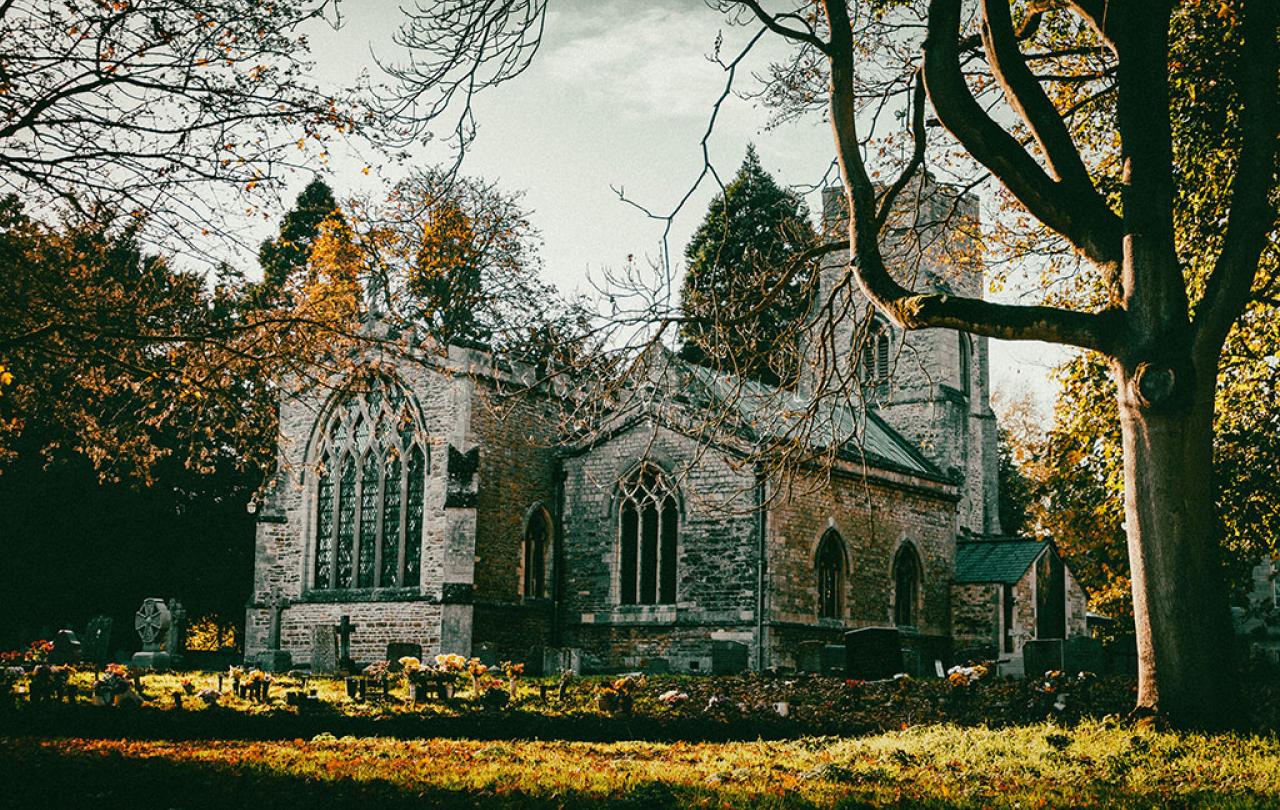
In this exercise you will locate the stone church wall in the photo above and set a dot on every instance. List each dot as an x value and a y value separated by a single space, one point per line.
717 550
975 615
422 612
874 517
518 470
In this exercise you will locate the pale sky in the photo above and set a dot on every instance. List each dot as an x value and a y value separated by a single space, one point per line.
619 95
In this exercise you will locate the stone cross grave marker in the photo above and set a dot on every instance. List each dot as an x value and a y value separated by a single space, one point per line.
274 659
152 623
345 629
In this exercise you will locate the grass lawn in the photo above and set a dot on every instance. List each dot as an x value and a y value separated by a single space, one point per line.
1093 764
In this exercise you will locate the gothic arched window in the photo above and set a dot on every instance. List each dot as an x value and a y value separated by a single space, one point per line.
537 549
370 491
906 586
830 565
648 525
876 351
966 363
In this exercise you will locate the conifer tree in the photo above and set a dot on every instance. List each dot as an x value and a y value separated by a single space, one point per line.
288 252
741 300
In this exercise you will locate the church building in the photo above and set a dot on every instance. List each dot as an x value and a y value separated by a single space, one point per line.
431 506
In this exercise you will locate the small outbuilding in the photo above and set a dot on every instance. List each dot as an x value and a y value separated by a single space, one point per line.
1008 591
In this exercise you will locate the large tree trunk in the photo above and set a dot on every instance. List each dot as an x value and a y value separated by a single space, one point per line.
1186 668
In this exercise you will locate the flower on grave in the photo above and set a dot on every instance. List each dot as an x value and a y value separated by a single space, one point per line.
188 686
235 673
965 676
450 662
378 669
257 676
628 684
673 696
39 651
118 670
476 668
410 665
854 683
512 670
10 655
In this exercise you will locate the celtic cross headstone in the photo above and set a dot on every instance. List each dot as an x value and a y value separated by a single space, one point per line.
152 622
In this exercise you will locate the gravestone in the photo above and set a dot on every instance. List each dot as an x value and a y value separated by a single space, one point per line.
655 666
728 657
152 624
809 656
95 645
1083 654
176 639
401 649
324 649
556 660
833 659
274 659
1041 655
873 653
487 652
345 629
66 648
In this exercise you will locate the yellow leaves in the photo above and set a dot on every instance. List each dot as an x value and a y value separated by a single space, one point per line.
6 376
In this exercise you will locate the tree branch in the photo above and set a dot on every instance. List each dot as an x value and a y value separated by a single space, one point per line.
904 307
1252 216
1097 237
771 22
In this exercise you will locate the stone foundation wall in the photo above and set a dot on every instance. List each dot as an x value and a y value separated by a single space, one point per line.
377 624
975 615
518 630
684 647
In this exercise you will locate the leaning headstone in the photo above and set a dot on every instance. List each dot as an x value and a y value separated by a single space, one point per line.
1083 654
728 657
324 649
487 652
809 656
401 649
95 645
873 653
152 624
66 648
1042 655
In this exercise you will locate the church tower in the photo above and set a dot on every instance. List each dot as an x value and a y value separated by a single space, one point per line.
930 385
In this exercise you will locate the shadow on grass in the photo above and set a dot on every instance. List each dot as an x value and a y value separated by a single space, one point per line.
35 777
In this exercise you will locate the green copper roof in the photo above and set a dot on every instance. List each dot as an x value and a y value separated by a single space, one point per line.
996 560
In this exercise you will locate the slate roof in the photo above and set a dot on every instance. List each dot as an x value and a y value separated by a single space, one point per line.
1002 560
771 412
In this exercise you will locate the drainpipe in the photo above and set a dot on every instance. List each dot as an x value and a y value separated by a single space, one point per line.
762 526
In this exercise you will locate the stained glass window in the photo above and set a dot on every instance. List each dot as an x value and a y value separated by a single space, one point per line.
369 502
413 527
346 520
324 523
648 529
370 479
391 564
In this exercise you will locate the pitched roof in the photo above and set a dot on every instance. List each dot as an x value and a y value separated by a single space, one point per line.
773 413
1003 560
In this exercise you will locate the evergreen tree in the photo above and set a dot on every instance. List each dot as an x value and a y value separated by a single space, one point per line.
738 260
288 252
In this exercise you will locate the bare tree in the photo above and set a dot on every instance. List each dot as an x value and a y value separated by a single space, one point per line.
175 111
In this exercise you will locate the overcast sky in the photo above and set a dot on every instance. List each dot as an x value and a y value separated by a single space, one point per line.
618 96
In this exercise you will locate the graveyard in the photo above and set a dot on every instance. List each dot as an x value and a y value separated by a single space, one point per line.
455 731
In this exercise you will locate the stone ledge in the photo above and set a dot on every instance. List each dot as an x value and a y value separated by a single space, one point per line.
363 595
